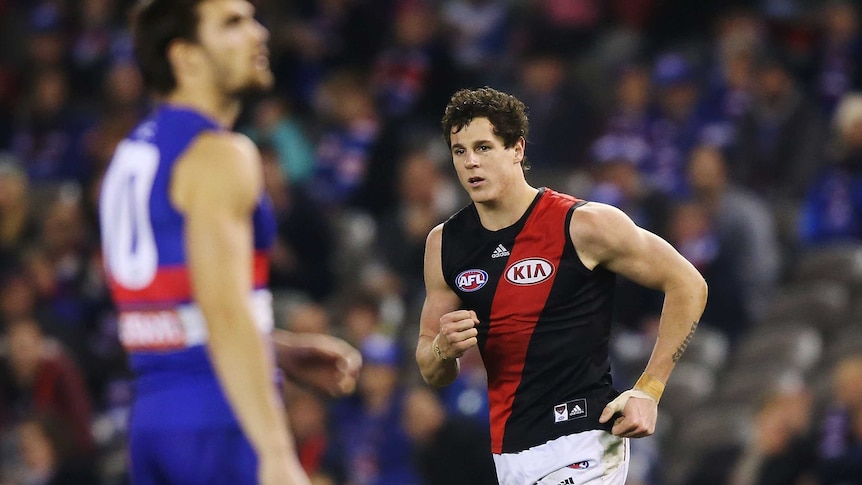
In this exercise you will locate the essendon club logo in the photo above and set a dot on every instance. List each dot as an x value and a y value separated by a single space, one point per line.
471 280
529 271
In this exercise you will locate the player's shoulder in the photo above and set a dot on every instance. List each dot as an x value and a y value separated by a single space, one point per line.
594 223
225 146
435 237
220 163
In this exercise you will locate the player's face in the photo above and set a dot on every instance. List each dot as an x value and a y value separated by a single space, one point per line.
485 167
234 43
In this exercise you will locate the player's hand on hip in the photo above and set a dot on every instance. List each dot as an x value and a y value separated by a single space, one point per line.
636 413
457 333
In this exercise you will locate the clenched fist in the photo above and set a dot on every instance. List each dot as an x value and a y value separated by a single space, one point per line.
457 333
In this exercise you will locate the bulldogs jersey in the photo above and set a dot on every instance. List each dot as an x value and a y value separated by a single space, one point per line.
544 321
161 327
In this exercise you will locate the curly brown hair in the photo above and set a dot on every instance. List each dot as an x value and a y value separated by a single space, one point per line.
507 114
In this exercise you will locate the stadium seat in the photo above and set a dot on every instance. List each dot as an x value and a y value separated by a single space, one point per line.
840 263
794 345
824 304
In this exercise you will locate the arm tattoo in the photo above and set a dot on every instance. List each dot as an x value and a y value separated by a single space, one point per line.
681 349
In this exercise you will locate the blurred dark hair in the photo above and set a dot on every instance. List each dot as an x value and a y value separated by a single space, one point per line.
507 115
155 24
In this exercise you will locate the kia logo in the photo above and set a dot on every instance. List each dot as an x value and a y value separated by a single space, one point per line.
471 280
529 271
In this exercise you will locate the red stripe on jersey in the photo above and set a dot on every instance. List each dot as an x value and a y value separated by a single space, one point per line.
516 310
172 284
260 274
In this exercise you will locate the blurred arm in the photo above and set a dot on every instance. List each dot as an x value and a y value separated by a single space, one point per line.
216 185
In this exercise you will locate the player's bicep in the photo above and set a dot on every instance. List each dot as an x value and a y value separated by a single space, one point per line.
607 236
439 298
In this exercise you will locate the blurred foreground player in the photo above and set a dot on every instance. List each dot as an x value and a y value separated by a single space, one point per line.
186 230
527 275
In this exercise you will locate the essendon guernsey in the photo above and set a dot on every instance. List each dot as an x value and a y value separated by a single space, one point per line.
544 321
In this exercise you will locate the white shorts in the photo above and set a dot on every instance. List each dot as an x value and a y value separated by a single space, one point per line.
591 457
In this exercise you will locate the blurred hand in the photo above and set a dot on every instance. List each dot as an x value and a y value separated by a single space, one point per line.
323 362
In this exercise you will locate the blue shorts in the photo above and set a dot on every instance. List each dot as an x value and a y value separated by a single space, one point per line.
209 456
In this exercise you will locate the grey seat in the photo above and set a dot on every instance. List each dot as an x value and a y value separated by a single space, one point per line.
795 345
823 304
840 263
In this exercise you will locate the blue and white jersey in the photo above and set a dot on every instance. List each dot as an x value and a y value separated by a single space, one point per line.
161 327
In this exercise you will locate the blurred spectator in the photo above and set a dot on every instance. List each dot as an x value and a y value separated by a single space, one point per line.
628 117
41 378
838 66
567 26
694 234
325 36
780 138
308 317
676 126
90 47
308 422
362 317
745 225
47 42
351 130
18 229
274 125
833 208
18 297
413 75
778 452
729 92
840 459
368 425
561 120
478 33
301 260
120 109
618 182
48 132
449 450
49 455
425 198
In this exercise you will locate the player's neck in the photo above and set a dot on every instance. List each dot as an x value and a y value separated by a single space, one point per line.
505 211
209 102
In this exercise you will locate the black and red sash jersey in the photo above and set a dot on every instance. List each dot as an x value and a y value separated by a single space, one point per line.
544 321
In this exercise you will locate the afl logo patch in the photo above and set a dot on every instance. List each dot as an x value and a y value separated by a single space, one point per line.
529 271
471 280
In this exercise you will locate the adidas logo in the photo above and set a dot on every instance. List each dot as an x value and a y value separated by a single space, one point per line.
568 481
500 251
576 411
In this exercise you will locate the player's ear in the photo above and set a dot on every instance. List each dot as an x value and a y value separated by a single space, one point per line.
183 56
519 148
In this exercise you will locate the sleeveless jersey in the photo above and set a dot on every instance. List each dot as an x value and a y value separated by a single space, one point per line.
161 327
544 321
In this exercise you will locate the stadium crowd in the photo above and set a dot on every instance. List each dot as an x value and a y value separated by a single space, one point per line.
731 128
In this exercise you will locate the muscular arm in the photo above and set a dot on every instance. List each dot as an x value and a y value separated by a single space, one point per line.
216 186
441 320
603 235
